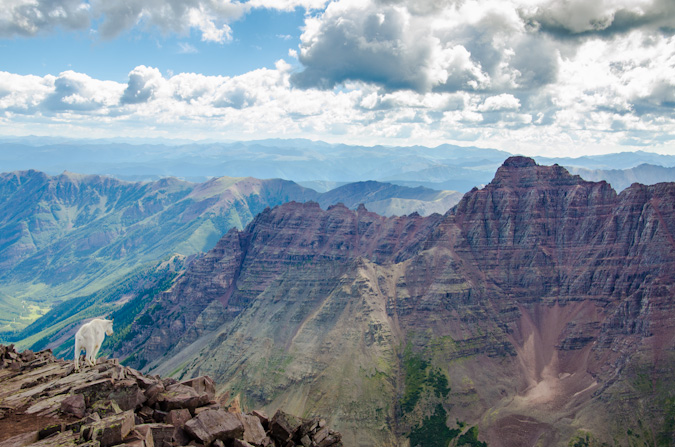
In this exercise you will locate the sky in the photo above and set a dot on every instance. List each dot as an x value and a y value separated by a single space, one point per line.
536 77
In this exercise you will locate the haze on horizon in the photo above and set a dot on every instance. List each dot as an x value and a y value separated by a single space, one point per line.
537 77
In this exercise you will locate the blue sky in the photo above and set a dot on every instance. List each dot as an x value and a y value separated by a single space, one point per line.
258 41
528 76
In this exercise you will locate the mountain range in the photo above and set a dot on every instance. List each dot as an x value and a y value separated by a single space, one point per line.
72 235
537 311
315 164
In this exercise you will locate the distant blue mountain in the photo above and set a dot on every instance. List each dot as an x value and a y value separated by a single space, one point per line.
445 167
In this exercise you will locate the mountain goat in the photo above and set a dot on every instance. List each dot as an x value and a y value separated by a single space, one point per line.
90 338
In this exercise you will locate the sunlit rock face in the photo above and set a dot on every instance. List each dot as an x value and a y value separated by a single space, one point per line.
538 310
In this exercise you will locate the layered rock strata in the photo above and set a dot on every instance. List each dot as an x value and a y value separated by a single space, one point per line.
537 310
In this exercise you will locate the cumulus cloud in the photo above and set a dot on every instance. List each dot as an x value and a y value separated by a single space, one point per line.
23 94
580 18
144 82
29 17
499 102
472 45
264 103
384 45
426 46
211 18
78 92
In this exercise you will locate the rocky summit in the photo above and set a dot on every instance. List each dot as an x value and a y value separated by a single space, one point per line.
538 311
45 402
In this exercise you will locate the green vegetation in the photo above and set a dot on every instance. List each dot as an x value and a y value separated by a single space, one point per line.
470 438
433 432
122 301
426 387
665 436
415 378
420 376
126 315
585 439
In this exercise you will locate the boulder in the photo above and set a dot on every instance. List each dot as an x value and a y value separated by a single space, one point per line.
181 396
283 426
127 394
143 433
96 390
215 424
62 439
178 417
262 416
111 430
162 434
20 440
254 433
74 405
202 384
153 393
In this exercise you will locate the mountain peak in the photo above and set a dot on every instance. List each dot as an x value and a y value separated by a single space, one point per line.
519 171
519 161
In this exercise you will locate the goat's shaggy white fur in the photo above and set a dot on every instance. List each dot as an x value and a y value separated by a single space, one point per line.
90 338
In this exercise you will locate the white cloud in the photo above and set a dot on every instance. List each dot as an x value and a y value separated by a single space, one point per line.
29 17
504 101
263 103
288 5
186 48
520 75
77 92
210 17
23 94
144 83
431 46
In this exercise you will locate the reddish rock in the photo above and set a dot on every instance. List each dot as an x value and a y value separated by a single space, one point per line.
127 394
20 440
95 390
202 384
62 439
143 432
111 430
162 434
178 417
74 405
181 396
215 424
152 394
262 417
254 432
283 426
240 443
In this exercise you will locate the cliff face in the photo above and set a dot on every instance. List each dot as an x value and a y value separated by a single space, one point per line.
72 234
539 309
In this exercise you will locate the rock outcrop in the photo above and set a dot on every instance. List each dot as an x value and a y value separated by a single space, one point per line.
45 402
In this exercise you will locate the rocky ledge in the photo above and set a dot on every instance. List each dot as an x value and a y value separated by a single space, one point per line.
45 402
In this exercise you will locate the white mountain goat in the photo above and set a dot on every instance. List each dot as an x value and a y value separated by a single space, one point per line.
90 338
